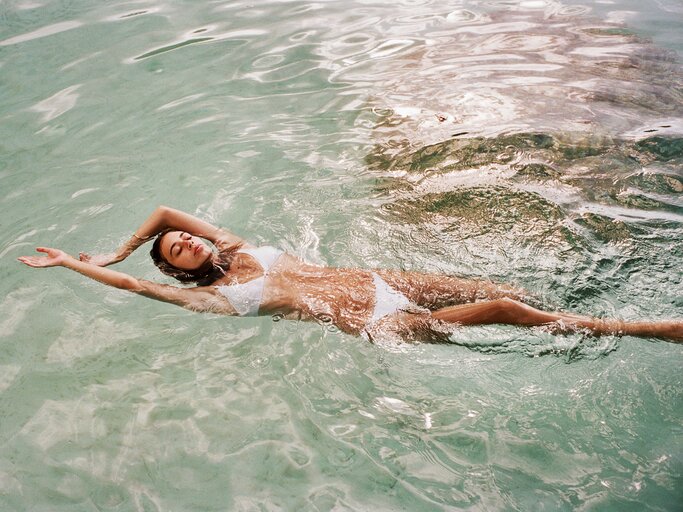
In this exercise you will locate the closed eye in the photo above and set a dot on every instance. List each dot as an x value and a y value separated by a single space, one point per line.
177 248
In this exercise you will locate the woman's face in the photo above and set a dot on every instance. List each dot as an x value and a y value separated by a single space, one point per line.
184 251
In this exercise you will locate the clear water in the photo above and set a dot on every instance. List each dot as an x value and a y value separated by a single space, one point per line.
531 142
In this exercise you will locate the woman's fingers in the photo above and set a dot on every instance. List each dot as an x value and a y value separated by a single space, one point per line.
31 261
52 258
49 251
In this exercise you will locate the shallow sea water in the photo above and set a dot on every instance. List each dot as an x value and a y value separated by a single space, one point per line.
532 142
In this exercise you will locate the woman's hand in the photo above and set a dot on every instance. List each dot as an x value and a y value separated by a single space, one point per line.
101 260
54 258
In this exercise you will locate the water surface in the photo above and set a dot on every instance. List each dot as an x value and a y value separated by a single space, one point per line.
531 142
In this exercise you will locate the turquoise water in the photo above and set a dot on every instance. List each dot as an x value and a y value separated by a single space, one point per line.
531 142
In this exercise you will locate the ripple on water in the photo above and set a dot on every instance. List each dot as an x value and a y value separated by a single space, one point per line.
57 104
509 140
234 37
45 31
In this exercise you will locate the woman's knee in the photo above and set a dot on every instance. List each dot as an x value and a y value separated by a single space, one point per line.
511 310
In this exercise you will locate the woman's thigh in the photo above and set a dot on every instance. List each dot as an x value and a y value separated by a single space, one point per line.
437 326
435 291
411 327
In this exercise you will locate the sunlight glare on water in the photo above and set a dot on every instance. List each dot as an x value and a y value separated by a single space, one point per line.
532 142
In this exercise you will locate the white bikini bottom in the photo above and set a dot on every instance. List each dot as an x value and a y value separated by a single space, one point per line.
387 302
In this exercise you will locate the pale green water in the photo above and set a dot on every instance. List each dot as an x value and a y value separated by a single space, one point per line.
531 142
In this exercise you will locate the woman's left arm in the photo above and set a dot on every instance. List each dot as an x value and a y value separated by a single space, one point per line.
162 219
153 225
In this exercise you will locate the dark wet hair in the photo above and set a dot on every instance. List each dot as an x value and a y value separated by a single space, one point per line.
202 277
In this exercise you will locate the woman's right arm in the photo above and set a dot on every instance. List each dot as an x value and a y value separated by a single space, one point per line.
196 299
163 219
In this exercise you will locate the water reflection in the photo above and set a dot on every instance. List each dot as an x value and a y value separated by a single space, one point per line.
540 73
522 141
532 142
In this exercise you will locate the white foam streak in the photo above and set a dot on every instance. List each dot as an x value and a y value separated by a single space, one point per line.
57 104
42 32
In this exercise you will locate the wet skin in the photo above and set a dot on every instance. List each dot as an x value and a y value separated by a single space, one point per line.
184 251
345 297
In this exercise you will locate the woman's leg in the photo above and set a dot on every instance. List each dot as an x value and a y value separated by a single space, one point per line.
512 312
435 291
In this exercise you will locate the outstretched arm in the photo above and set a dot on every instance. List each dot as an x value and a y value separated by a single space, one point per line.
197 299
163 219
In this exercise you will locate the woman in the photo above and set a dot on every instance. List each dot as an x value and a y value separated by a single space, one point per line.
240 279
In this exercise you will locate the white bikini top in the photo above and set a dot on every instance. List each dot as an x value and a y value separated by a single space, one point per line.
246 297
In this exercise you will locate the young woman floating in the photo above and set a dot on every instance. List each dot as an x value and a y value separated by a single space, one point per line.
236 278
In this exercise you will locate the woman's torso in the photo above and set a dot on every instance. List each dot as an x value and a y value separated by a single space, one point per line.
290 287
